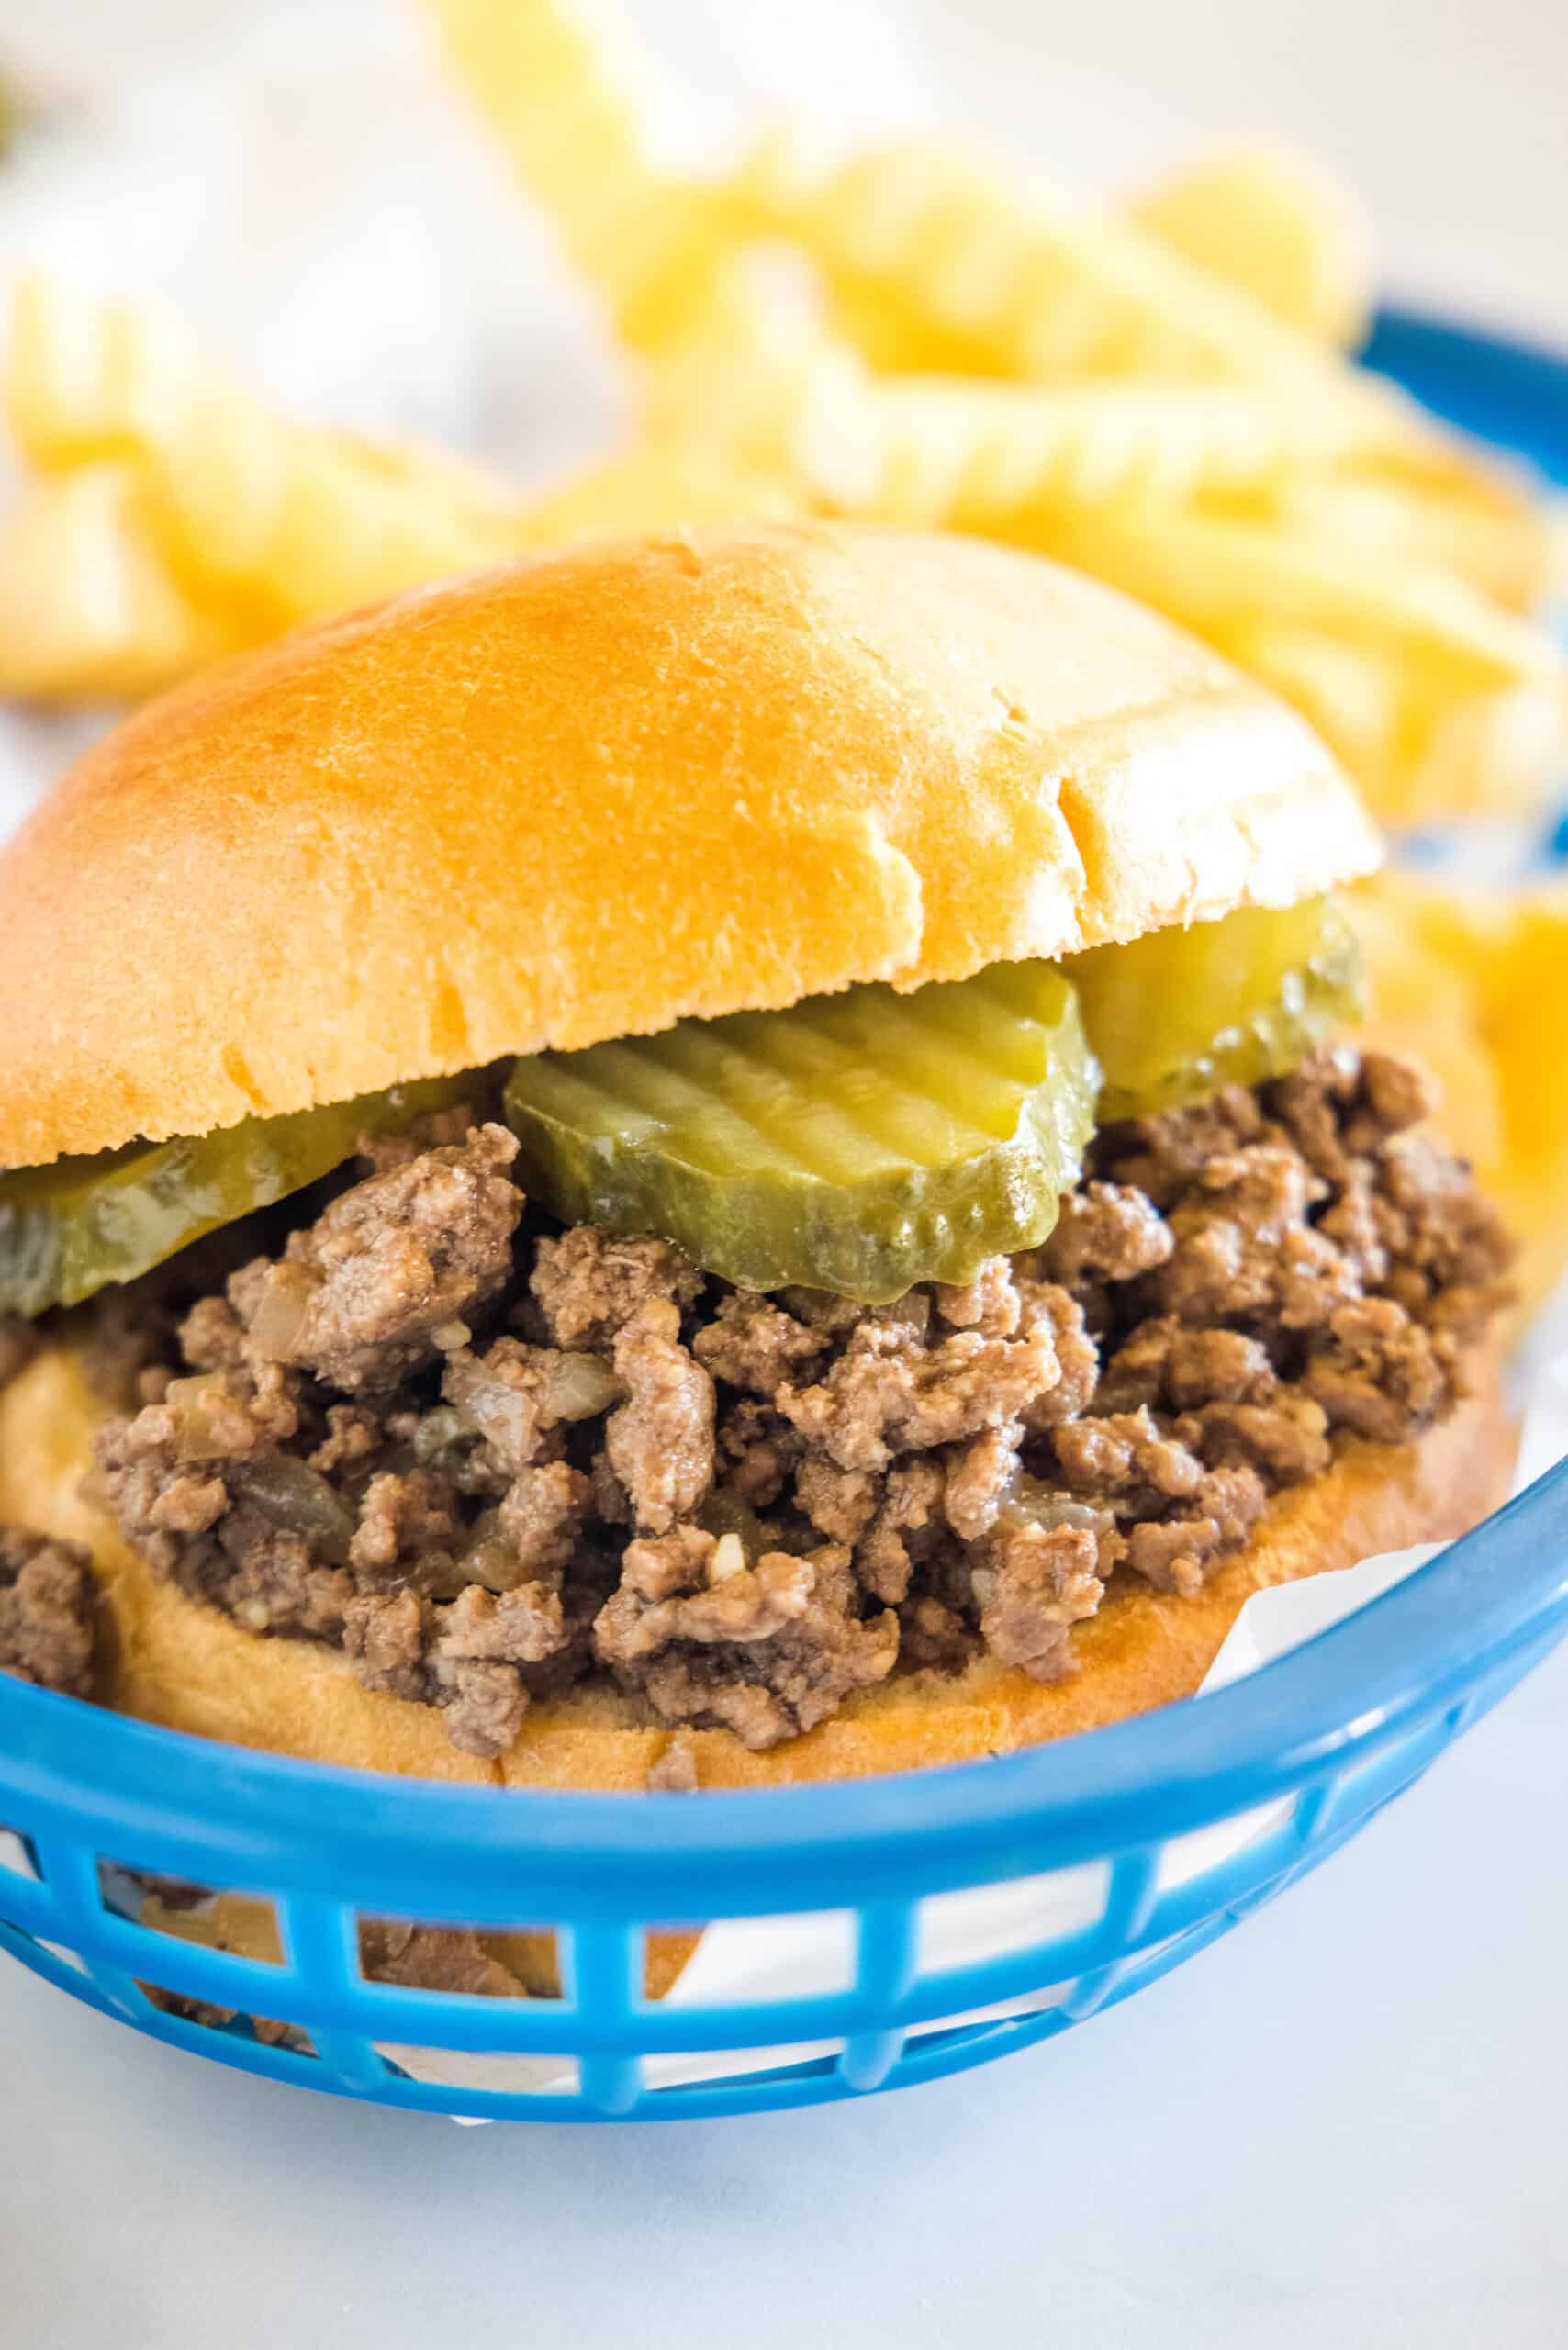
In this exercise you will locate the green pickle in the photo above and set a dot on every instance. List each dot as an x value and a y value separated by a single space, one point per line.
70 1230
857 1143
1177 1014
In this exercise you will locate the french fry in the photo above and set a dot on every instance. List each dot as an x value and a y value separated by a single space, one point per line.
770 369
570 102
945 452
1473 520
88 380
177 516
1081 383
1077 372
653 486
89 610
1350 693
1478 697
1433 696
762 365
1272 223
977 270
1217 575
243 504
1419 754
315 521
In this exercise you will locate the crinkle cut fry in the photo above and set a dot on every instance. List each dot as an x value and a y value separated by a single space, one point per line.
570 103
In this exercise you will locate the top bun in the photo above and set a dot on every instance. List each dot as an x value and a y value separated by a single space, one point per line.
579 798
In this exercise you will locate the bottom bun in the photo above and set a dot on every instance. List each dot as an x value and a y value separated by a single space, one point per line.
169 1660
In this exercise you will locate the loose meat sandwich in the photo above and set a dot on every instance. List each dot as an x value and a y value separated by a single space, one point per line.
714 1161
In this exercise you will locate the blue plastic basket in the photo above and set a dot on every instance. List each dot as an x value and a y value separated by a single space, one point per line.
1294 1758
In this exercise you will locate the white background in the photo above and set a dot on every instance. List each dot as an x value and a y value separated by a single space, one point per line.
1343 2125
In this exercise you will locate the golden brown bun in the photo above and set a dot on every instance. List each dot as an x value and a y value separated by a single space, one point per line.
172 1661
580 798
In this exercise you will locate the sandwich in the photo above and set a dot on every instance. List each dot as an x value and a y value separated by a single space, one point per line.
722 1160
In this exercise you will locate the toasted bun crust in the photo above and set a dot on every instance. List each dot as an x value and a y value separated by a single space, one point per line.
582 796
172 1661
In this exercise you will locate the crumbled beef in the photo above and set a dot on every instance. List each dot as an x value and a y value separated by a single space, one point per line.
1161 1363
1049 1307
936 1637
433 1958
470 1657
1287 1441
905 1528
521 1626
1220 1366
1434 1224
988 1303
1343 1104
212 1337
368 1292
588 1284
765 1650
756 1452
517 1397
48 1599
203 1483
738 1509
541 1517
660 1441
1380 1374
387 1639
753 1343
478 1660
355 1434
379 1154
1174 1553
1036 1583
981 1476
890 1391
1126 1455
1106 1232
821 1310
1244 1244
405 1518
840 1503
1163 1156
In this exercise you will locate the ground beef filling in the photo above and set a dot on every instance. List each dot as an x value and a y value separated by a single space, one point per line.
486 1459
47 1601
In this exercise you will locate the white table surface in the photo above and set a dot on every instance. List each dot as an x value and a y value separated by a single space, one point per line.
1342 2125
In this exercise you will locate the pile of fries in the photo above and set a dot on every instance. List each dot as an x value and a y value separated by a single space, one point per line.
1159 391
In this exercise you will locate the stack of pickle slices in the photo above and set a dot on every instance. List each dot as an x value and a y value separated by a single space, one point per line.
857 1143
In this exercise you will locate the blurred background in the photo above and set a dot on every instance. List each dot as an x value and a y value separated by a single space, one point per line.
282 167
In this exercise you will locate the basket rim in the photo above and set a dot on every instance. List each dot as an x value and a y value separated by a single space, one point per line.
1507 389
1406 1656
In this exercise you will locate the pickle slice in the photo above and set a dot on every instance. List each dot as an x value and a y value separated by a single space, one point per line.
70 1230
858 1143
1177 1014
